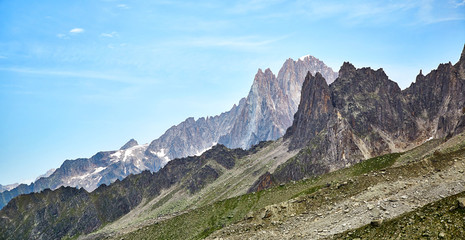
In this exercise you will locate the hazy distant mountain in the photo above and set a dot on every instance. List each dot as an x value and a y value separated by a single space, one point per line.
89 173
8 187
47 174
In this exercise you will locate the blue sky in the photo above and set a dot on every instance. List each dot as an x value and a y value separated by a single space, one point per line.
77 77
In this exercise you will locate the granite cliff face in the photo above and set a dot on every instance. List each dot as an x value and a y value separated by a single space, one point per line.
193 137
272 102
315 109
437 100
263 115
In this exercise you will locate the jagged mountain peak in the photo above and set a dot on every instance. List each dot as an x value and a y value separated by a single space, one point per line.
314 110
363 79
272 102
346 70
306 57
264 77
131 143
307 62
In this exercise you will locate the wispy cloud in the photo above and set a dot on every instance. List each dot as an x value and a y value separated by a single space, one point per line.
62 36
379 12
247 6
3 57
81 74
458 3
76 30
234 42
122 6
109 35
429 12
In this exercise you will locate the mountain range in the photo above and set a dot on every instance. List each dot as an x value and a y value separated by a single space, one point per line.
361 115
364 114
264 114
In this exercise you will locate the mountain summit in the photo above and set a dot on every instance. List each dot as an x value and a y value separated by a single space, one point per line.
272 102
131 143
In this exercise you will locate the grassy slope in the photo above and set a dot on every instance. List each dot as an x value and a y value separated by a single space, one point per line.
200 222
335 186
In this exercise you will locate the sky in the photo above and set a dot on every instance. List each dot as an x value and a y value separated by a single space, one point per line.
78 77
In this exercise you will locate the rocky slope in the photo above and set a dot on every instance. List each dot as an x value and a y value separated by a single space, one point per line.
371 192
193 137
263 115
442 219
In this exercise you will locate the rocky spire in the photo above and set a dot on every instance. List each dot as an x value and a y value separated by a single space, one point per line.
346 71
314 111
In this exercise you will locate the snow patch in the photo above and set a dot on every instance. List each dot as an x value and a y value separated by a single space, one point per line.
127 154
116 154
82 176
204 150
162 154
304 57
99 169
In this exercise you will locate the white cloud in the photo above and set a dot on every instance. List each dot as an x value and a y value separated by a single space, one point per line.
109 35
3 57
76 30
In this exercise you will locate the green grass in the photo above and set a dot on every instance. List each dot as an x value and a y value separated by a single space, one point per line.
375 164
201 222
